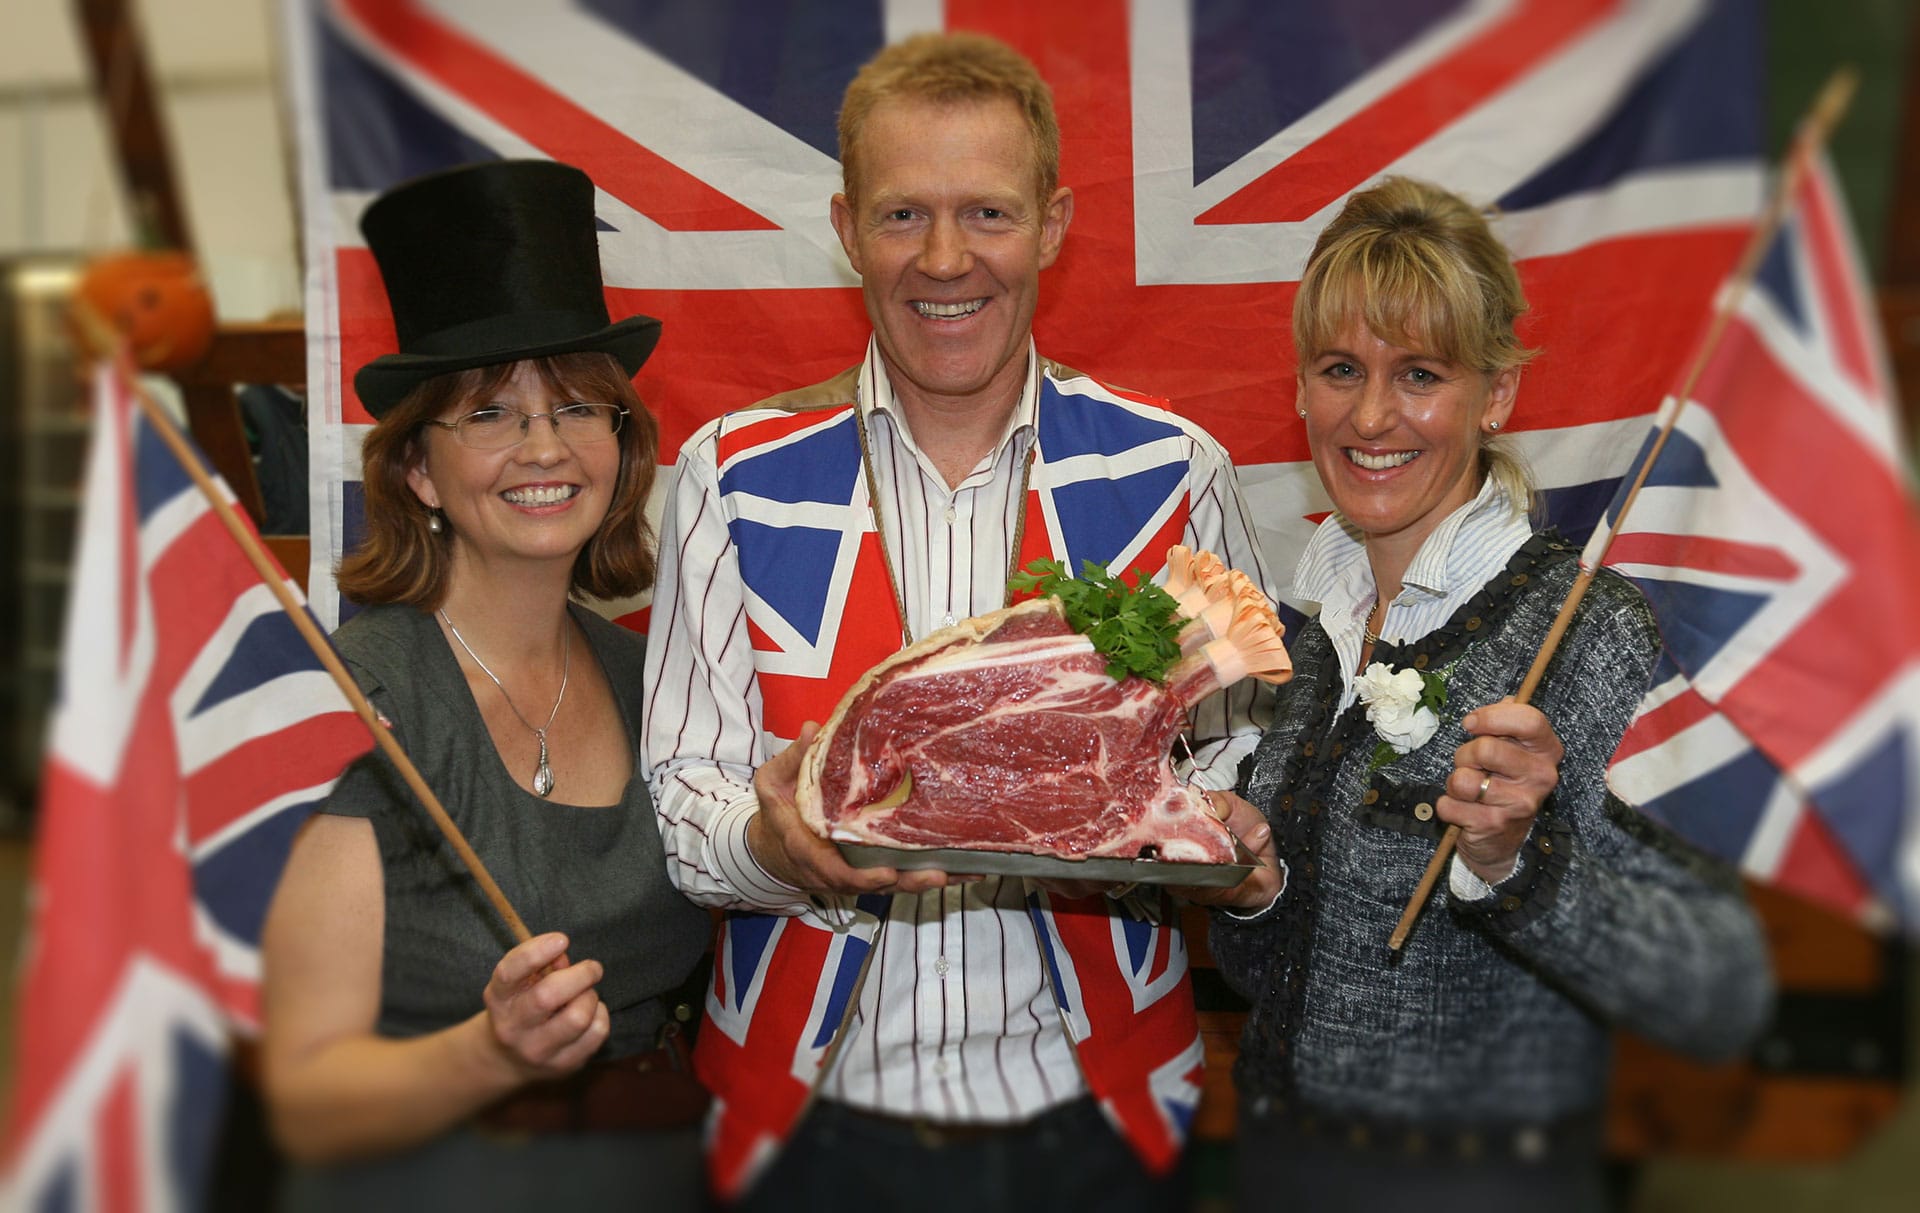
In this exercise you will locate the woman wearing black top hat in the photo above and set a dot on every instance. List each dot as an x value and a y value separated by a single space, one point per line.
415 1057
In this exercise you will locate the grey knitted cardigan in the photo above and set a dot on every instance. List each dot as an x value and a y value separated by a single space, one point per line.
1500 1010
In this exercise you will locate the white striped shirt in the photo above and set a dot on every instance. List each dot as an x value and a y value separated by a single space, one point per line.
1461 555
1468 547
955 1021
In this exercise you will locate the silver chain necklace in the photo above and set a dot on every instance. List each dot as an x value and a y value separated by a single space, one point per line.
542 774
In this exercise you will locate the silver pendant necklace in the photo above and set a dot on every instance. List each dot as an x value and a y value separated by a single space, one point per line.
542 774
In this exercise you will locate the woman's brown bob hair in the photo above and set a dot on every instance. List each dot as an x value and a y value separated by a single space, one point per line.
401 560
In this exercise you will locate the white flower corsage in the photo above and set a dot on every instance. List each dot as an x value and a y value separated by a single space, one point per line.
1403 706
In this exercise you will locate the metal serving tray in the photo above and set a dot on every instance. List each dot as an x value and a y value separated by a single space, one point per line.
962 861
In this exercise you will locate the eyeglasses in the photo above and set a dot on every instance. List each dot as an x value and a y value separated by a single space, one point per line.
498 426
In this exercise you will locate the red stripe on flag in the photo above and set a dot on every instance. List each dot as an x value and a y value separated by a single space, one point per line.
1662 724
1815 866
772 428
119 1151
789 699
265 768
192 587
1307 181
366 327
1242 395
1791 703
758 638
1727 556
1659 285
1837 280
650 184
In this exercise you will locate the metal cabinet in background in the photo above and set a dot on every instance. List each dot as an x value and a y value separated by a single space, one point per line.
44 407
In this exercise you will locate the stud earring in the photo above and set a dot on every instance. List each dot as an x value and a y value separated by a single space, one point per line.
1303 414
1494 426
433 522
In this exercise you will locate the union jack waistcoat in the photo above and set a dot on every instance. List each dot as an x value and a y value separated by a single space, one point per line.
781 985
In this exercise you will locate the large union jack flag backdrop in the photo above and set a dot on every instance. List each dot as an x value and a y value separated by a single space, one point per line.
1207 142
195 732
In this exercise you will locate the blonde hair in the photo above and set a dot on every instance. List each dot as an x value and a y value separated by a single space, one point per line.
1423 269
947 69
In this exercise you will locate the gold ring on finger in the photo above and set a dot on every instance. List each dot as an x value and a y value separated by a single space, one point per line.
1486 781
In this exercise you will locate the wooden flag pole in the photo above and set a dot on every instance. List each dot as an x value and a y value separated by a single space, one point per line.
103 338
1814 129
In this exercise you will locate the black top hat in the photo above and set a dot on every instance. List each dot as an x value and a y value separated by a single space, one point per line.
486 264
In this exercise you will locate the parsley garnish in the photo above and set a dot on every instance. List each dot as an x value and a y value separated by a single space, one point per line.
1136 627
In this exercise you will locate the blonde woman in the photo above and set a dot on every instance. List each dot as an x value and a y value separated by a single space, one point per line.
1469 1072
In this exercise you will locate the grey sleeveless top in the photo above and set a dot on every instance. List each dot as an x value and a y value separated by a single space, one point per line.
597 874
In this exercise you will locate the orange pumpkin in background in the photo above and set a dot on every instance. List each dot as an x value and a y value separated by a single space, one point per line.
157 300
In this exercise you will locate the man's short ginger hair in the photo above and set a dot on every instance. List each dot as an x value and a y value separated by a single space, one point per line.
948 69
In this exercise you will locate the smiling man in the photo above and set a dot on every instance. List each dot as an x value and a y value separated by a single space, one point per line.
972 1041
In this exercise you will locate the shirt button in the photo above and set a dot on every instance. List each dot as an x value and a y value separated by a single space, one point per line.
1423 811
950 515
946 620
941 967
940 1067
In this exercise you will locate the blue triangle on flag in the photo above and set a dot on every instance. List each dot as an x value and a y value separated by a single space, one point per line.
853 954
1719 809
1101 518
1574 509
1259 68
768 566
61 1194
361 100
235 882
1180 1114
157 475
270 647
1697 105
198 1094
1696 621
1779 277
821 467
786 62
748 937
1139 935
1682 464
1854 807
1071 424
